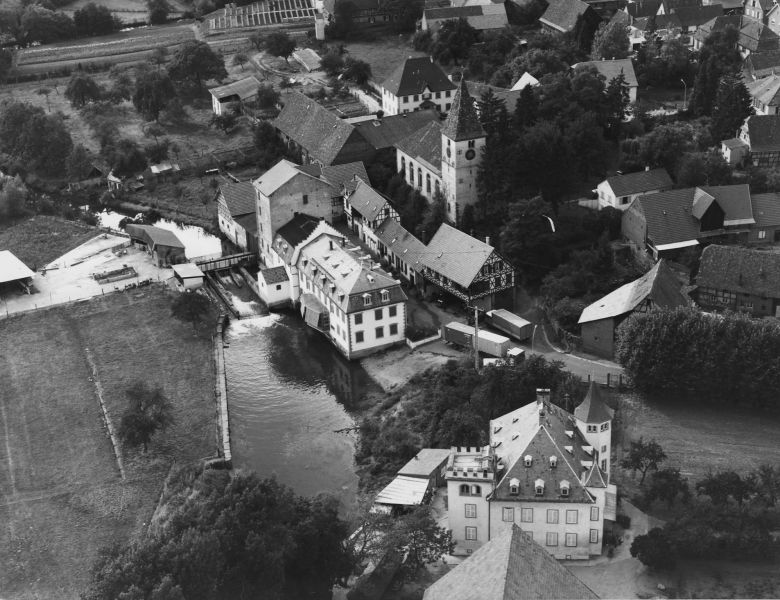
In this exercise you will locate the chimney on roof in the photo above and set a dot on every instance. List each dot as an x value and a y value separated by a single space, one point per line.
647 167
487 240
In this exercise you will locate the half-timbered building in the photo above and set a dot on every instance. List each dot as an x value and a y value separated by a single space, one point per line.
366 209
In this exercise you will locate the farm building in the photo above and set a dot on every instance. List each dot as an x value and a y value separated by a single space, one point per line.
166 249
482 17
14 274
238 92
658 288
612 69
403 493
308 59
236 214
189 276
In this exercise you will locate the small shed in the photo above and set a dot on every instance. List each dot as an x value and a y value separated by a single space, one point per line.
274 286
188 275
404 492
163 245
430 464
14 274
242 90
734 151
308 59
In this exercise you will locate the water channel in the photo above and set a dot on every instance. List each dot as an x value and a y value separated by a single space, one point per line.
289 392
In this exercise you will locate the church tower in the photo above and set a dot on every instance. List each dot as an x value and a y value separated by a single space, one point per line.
462 141
594 420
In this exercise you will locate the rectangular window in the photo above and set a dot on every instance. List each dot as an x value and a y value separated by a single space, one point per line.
393 311
594 513
603 449
604 426
527 515
358 337
762 234
378 314
416 97
471 533
448 95
367 300
508 515
438 95
358 319
380 332
394 329
471 511
552 539
594 536
552 515
448 104
571 540
571 517
591 428
305 199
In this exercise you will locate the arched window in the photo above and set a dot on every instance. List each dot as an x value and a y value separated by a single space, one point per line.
419 177
465 490
403 164
428 182
476 490
437 186
411 173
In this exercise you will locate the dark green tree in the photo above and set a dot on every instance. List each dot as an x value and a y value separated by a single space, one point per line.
240 59
92 19
654 549
492 112
733 104
192 307
618 100
225 122
125 157
357 70
6 61
610 41
332 63
526 109
643 456
420 539
148 412
280 44
196 62
668 485
81 90
343 20
726 484
36 140
703 168
79 163
39 24
269 147
453 41
153 92
158 11
718 57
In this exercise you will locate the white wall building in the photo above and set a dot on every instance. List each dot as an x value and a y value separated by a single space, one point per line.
417 84
621 190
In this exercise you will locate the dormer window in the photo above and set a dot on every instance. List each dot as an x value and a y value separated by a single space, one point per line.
385 295
514 487
565 487
553 462
539 487
366 299
528 460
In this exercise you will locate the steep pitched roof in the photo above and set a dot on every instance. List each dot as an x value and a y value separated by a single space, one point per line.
424 145
243 88
456 255
641 181
482 17
388 131
314 127
274 274
11 268
593 409
297 229
414 75
766 91
766 209
610 69
763 64
764 132
367 201
338 176
462 121
157 235
643 8
476 89
563 14
277 176
510 566
239 197
740 270
693 16
659 284
540 431
401 242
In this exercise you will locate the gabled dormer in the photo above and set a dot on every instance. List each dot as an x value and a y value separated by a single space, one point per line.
707 211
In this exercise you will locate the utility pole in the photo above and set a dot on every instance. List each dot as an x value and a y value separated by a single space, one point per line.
476 338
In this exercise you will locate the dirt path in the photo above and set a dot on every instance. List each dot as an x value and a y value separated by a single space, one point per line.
394 368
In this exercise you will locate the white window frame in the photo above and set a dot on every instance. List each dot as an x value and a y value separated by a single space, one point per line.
526 515
594 536
471 533
553 516
551 539
572 516
571 540
508 510
470 511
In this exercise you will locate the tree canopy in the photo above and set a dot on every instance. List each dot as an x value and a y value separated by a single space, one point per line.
643 456
153 92
610 41
196 62
38 142
82 89
158 11
92 19
733 104
148 412
452 41
280 44
192 307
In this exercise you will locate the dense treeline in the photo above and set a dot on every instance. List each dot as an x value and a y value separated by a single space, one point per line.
229 536
686 353
40 22
452 406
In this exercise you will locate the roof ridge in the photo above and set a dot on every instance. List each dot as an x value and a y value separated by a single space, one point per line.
557 447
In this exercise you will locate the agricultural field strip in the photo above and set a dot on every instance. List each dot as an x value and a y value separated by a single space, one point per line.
114 47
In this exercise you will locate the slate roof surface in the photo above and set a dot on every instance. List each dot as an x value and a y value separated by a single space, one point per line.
481 17
243 88
314 127
593 409
388 131
297 229
11 268
540 434
456 255
562 14
401 242
367 201
424 144
239 197
766 209
612 68
338 176
753 34
276 177
509 567
414 75
157 235
659 284
660 22
425 463
764 63
643 8
733 143
476 89
248 222
641 181
740 270
764 131
735 201
462 121
693 16
766 90
274 275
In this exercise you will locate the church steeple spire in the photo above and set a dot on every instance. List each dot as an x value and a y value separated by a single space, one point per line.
462 121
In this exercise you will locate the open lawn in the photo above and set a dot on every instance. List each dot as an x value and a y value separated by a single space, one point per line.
63 496
383 54
39 240
702 438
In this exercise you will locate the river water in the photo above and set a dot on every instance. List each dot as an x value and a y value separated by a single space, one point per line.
289 391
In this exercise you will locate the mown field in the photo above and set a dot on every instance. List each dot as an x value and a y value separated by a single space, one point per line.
39 240
127 10
62 496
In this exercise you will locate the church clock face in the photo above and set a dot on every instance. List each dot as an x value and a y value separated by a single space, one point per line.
470 153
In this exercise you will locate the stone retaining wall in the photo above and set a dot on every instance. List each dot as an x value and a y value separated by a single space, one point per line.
223 422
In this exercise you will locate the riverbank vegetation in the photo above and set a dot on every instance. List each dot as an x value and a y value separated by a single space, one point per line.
451 406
